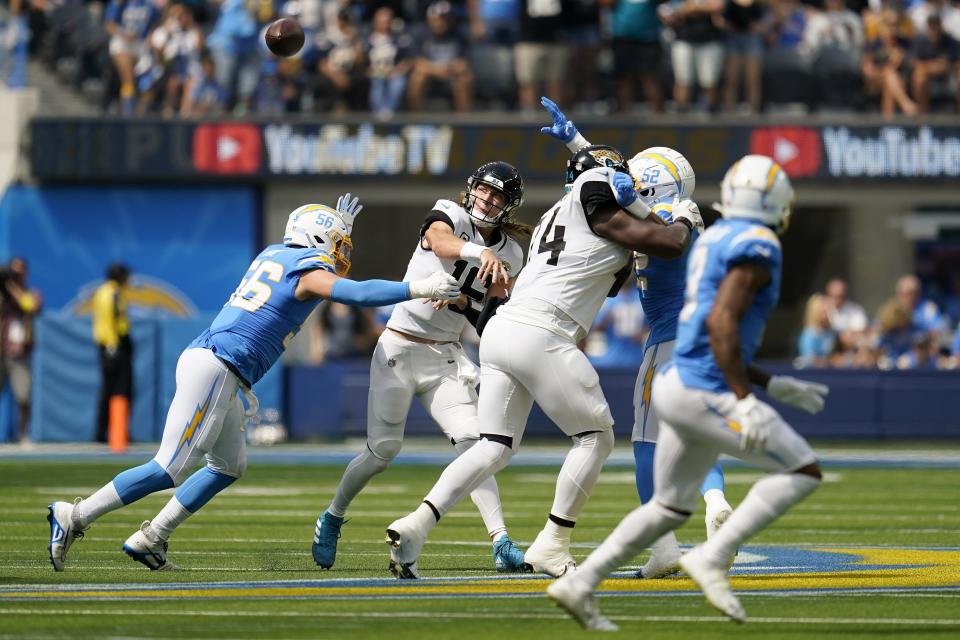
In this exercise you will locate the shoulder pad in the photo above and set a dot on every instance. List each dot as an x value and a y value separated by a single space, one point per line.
757 232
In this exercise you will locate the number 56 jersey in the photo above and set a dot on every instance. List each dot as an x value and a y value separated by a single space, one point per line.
263 314
570 266
418 319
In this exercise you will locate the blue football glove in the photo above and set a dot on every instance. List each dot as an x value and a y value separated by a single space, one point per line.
623 189
563 130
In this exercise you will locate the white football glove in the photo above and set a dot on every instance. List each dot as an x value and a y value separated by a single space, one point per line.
808 396
438 286
348 209
687 210
754 421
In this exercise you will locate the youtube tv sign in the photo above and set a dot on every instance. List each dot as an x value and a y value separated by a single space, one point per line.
796 149
227 149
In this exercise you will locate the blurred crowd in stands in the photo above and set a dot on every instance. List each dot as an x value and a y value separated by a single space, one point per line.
203 57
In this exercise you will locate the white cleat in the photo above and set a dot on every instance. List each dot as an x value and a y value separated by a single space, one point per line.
550 555
714 582
149 549
406 541
63 533
580 603
716 516
664 559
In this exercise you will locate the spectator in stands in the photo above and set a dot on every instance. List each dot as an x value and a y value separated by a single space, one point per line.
636 36
388 51
342 332
19 306
341 83
203 95
847 318
282 86
697 52
925 317
817 340
111 333
951 301
923 354
894 333
945 9
128 22
622 322
744 46
442 58
835 34
581 35
954 362
786 24
233 43
176 45
540 56
935 57
495 21
885 62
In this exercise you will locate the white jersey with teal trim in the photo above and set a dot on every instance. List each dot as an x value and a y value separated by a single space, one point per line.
727 243
568 265
416 318
662 284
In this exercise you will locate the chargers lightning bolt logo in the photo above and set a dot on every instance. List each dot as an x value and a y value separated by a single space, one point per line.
192 428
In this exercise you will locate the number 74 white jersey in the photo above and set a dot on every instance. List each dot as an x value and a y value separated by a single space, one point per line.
568 265
419 319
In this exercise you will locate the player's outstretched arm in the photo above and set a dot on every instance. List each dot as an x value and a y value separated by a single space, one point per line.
562 129
649 236
803 394
439 238
375 293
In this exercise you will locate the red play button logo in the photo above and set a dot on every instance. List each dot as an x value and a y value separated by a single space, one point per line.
796 149
227 148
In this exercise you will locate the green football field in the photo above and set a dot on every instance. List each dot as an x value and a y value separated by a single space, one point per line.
875 553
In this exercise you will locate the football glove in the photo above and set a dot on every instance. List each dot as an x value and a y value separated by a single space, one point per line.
348 209
626 194
754 421
562 129
437 286
808 396
687 210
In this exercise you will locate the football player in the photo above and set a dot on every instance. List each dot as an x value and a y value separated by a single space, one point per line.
206 417
580 249
419 354
664 175
706 404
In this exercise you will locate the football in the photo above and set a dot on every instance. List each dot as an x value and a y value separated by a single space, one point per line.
284 37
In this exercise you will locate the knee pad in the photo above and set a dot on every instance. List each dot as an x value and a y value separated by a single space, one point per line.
462 445
497 455
601 441
385 450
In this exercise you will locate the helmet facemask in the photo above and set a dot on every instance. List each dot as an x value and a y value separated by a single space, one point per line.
489 199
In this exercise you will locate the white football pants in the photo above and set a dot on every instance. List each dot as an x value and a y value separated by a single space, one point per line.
695 429
520 363
646 426
205 419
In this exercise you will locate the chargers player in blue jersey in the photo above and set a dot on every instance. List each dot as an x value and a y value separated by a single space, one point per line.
706 403
665 176
206 417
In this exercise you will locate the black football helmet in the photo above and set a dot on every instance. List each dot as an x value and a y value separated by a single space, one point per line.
596 155
498 175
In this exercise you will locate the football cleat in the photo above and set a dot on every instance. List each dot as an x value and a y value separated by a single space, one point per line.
62 532
508 557
550 555
714 582
406 541
149 549
580 603
325 536
664 559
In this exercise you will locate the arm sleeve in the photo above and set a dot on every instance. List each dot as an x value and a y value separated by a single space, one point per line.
595 197
369 293
434 216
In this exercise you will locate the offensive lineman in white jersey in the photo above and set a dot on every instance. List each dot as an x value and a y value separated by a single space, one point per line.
664 175
529 353
419 354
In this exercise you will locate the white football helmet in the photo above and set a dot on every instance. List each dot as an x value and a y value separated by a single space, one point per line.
662 172
320 227
757 188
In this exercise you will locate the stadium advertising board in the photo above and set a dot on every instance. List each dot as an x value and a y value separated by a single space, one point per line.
110 150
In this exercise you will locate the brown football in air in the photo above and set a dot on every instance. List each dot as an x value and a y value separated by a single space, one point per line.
284 37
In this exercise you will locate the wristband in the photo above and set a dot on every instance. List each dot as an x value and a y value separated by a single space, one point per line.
637 209
578 142
686 222
471 251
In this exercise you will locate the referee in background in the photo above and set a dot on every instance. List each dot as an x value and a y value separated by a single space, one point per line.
111 332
